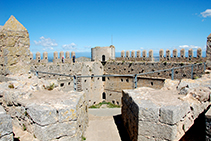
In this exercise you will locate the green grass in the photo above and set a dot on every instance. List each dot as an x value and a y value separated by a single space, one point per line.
11 86
109 105
83 138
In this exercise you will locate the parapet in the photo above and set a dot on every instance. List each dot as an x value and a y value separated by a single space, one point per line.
136 56
182 58
61 59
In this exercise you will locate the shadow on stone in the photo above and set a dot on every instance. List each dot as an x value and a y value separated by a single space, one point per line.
120 126
197 131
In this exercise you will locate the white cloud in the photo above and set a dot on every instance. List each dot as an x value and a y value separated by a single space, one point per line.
184 46
47 43
206 13
189 46
69 46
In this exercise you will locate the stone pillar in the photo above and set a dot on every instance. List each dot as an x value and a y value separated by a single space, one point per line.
161 53
127 54
55 57
144 54
190 53
31 56
208 52
38 57
175 53
122 53
112 51
133 54
138 54
67 55
14 47
182 53
151 55
168 54
61 55
199 53
73 56
45 57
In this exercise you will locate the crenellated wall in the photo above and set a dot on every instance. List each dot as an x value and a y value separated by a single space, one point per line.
138 57
167 57
61 59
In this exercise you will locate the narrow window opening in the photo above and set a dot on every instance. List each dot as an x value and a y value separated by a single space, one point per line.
103 78
104 95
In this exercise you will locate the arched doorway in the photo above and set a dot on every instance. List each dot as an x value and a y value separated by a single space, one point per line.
103 58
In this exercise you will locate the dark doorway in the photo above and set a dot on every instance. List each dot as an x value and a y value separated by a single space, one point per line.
104 95
103 58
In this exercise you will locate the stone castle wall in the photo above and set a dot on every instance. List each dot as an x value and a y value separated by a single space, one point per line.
103 53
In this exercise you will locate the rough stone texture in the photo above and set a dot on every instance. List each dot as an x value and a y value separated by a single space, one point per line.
45 114
208 125
14 48
5 126
208 52
103 53
150 114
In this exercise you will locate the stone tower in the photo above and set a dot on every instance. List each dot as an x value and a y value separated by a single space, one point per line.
103 53
14 48
208 52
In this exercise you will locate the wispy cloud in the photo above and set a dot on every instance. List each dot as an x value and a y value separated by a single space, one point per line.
189 46
47 43
206 13
87 47
69 46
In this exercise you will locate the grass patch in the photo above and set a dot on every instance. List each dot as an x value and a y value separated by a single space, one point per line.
24 127
108 104
51 87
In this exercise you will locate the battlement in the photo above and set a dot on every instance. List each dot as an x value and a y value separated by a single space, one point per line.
56 59
168 56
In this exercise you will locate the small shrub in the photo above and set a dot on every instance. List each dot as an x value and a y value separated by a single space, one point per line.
83 138
196 77
11 86
24 127
30 77
34 136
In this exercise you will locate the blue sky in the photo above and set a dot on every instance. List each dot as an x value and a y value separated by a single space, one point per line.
79 25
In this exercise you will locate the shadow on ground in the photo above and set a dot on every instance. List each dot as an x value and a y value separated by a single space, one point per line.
120 126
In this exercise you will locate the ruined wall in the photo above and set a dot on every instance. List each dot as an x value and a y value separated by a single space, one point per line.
98 53
92 86
14 48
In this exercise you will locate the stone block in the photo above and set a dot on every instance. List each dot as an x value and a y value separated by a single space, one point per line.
148 111
42 114
67 114
157 130
54 131
5 124
7 137
173 113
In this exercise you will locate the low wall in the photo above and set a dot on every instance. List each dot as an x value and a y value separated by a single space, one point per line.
42 109
165 114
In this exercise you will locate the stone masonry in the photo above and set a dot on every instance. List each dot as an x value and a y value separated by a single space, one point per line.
166 114
6 132
14 48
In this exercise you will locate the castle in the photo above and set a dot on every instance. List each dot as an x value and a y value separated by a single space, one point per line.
105 76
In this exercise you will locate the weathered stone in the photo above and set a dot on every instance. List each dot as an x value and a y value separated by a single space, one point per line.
42 114
53 131
5 125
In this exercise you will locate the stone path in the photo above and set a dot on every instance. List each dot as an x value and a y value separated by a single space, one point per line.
102 125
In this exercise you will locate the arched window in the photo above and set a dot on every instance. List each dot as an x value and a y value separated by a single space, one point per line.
104 95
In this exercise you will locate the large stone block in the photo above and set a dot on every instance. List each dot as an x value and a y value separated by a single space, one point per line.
157 130
173 113
42 114
54 131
